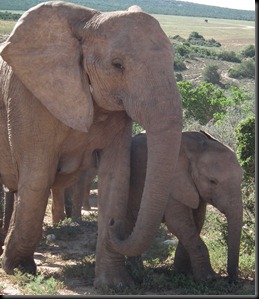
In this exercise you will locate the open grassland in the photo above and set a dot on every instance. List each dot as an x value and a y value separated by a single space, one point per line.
232 34
6 26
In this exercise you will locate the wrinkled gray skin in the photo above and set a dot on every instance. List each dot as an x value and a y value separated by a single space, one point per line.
207 172
7 203
72 80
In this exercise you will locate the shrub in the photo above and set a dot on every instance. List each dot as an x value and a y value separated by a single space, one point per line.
179 64
179 38
136 129
248 51
240 106
179 77
213 43
228 56
203 102
245 133
210 74
203 52
195 35
245 70
182 50
196 39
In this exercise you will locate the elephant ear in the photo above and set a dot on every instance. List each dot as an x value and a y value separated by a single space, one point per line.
45 54
183 188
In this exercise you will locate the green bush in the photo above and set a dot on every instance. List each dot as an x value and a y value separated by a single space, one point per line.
182 50
203 102
245 133
210 74
136 129
248 51
178 77
228 56
213 43
245 70
197 39
225 128
195 35
203 52
179 64
178 37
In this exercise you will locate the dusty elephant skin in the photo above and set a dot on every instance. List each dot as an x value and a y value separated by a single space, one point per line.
207 172
71 81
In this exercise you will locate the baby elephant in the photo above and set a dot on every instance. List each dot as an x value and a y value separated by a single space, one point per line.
207 172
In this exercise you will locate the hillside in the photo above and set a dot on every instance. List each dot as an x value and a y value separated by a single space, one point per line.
168 7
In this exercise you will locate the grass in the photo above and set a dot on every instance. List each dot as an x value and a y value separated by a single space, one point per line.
232 34
158 275
37 285
6 26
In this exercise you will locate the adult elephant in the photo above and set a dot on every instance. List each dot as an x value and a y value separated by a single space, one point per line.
72 80
207 172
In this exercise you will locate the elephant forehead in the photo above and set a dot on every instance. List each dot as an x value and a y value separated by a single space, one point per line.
130 28
221 163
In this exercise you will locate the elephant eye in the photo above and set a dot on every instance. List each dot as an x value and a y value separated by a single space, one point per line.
117 64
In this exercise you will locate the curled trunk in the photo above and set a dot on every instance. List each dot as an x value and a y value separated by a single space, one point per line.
163 145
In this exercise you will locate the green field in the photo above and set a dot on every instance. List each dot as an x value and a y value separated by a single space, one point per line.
232 34
6 26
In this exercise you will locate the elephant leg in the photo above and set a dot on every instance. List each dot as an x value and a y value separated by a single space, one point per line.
58 204
191 248
80 191
113 188
25 229
182 262
68 201
9 198
8 201
199 215
87 188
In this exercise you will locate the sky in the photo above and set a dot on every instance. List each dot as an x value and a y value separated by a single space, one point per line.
236 4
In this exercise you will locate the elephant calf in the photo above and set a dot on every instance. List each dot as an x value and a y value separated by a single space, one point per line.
207 172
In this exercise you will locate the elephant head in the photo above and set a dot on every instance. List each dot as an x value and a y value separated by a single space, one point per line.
209 170
70 56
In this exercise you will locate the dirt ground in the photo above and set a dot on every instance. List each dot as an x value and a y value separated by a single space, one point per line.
62 256
68 256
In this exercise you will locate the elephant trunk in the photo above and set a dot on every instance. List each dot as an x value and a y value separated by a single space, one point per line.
234 218
164 131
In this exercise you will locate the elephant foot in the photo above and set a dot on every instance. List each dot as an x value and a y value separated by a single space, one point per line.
117 281
136 268
25 265
204 274
183 266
